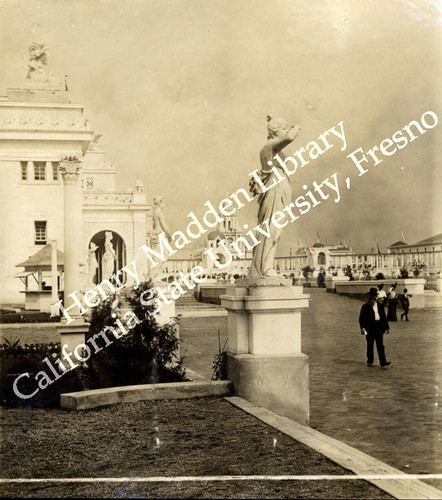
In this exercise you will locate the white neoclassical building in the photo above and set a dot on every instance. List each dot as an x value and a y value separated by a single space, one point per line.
333 258
38 126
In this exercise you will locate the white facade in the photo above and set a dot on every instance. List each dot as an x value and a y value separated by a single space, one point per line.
427 252
37 128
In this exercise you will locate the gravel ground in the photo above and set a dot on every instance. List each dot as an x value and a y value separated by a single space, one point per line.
193 437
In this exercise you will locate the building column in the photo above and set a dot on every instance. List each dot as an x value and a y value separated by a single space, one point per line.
54 274
72 335
70 169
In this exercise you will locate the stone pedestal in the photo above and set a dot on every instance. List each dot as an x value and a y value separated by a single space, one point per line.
279 383
72 338
264 361
167 311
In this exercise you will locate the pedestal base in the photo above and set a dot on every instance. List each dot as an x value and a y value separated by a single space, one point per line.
72 339
264 359
277 382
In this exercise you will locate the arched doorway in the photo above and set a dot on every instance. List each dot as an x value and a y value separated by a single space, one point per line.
321 259
221 258
119 248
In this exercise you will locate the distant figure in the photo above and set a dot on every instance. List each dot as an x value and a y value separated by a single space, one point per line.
404 299
373 325
382 295
392 303
109 257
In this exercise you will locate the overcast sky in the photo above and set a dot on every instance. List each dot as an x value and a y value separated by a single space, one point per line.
180 90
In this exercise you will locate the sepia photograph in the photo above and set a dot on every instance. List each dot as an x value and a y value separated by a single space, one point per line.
221 249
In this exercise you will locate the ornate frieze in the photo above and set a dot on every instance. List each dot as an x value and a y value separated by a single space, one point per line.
42 122
108 198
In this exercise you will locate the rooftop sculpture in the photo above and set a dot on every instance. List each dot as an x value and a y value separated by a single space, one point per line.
37 76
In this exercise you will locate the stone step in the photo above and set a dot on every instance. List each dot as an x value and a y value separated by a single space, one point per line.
433 301
198 305
187 301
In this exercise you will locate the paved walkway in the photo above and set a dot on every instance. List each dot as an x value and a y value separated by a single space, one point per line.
391 414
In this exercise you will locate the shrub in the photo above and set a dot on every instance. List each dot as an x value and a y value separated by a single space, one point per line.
17 359
147 354
27 317
219 364
14 349
403 273
379 276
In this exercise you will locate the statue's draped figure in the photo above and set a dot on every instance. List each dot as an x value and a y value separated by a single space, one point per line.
159 225
92 264
109 257
273 200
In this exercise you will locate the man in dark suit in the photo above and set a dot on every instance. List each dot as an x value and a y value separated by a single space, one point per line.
374 324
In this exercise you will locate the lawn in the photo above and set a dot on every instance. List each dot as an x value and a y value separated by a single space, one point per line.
195 437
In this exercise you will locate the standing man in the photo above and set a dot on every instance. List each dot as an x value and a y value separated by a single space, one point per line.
373 325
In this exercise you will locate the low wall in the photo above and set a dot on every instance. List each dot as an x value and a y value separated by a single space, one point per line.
211 293
38 300
95 398
360 289
330 282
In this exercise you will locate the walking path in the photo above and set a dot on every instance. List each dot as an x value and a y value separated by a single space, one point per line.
391 414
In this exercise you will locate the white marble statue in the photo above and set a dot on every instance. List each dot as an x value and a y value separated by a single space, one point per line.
159 226
94 144
92 264
279 136
109 257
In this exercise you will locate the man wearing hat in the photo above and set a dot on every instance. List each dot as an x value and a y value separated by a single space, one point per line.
374 324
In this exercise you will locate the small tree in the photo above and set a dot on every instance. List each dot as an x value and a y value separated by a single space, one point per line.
348 272
403 272
306 272
146 354
418 267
